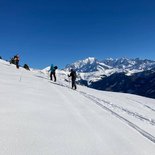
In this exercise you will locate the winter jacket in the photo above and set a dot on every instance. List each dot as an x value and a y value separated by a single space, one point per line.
73 75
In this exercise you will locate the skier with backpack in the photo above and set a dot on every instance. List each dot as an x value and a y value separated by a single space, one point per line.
16 60
73 78
52 72
12 61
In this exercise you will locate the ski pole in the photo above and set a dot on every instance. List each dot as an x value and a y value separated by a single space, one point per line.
69 81
21 76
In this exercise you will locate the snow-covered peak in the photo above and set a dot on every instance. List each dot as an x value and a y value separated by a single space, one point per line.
89 64
132 64
91 69
109 59
90 60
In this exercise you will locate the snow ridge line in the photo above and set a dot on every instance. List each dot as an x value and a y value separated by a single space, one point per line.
134 126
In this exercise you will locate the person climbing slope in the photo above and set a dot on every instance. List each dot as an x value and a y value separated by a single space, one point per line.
73 78
16 60
52 72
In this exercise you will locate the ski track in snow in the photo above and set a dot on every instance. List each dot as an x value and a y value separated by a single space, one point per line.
134 126
142 104
133 123
149 108
134 114
109 104
106 105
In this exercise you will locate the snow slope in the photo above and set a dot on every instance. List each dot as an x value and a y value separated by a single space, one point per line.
39 117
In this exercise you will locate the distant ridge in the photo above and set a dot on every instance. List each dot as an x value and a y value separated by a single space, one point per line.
91 64
134 76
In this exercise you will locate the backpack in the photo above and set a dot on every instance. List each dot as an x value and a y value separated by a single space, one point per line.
74 74
55 67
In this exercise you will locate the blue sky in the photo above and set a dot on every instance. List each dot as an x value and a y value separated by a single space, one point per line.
63 31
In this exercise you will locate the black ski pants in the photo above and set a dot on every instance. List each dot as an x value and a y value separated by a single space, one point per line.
74 84
52 74
17 63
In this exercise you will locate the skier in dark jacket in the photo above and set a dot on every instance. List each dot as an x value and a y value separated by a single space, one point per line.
73 78
52 72
16 60
12 61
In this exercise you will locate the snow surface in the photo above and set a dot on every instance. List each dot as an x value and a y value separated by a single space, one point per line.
40 117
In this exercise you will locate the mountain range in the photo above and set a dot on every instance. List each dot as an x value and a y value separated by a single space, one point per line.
136 76
91 64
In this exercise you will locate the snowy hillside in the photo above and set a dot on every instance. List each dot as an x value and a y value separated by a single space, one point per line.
39 117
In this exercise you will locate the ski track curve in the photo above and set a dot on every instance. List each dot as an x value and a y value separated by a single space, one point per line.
142 104
134 114
134 126
99 102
